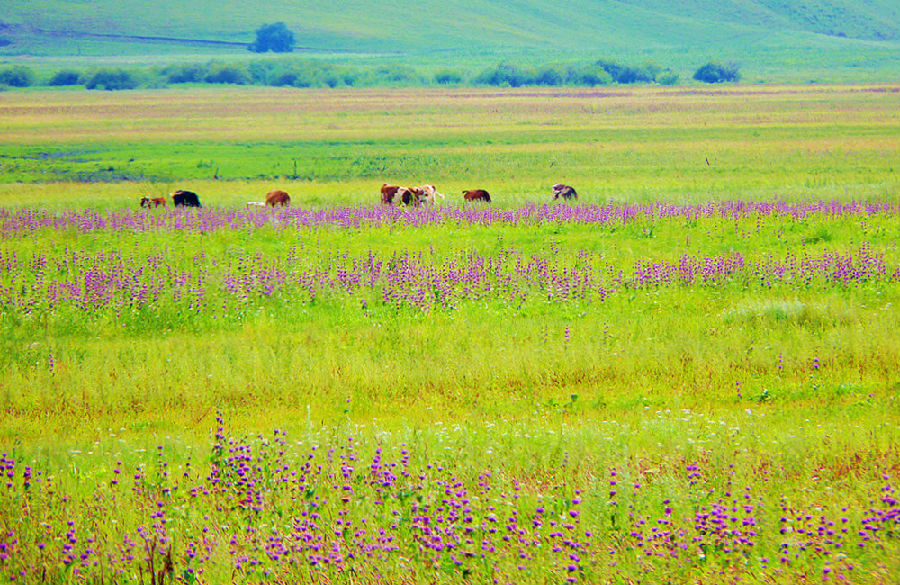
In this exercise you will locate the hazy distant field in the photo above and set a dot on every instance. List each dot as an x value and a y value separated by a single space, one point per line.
688 374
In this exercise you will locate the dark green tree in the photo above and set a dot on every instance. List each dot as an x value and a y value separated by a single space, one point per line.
65 77
273 37
110 79
714 72
17 76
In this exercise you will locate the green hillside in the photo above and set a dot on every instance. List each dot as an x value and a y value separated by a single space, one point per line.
828 39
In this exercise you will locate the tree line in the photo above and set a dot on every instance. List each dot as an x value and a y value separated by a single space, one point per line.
322 74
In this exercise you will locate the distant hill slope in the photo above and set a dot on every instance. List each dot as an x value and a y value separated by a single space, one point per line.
799 33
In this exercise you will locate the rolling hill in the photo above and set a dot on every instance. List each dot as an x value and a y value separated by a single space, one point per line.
771 38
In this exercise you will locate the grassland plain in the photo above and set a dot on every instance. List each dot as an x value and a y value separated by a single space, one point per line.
620 144
655 385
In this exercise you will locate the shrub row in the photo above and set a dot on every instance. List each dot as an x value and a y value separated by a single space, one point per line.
307 73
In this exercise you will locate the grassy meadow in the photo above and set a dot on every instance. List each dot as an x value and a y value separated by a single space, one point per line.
688 375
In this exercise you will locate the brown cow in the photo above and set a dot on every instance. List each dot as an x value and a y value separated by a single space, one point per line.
147 203
388 192
477 195
391 193
278 197
564 191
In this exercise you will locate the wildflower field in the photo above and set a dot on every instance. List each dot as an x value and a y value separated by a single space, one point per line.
689 375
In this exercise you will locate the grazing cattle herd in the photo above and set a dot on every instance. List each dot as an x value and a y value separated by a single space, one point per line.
390 195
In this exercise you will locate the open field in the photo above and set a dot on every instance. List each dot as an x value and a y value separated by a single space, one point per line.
689 375
643 144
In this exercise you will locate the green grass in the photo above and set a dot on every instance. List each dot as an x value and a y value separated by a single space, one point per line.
339 147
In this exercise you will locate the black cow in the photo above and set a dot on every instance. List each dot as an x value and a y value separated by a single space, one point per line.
185 199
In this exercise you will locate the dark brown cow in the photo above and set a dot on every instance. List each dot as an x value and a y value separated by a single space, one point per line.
388 192
278 197
564 191
392 193
477 195
183 198
147 203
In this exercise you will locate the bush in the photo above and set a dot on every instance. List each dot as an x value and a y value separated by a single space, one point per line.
193 73
292 79
222 73
273 37
65 77
505 74
17 76
448 78
667 77
626 74
550 75
592 75
300 75
111 79
714 72
394 75
260 72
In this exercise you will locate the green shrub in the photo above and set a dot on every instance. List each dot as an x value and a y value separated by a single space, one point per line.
227 73
667 77
260 72
297 76
111 79
17 76
592 75
505 74
714 72
448 77
627 74
192 73
65 77
394 75
550 75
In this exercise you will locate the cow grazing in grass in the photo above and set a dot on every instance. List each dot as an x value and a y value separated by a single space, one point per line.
391 194
147 202
426 194
278 197
564 191
183 198
388 192
477 195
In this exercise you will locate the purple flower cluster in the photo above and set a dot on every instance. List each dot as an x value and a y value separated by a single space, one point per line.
207 219
91 283
266 509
